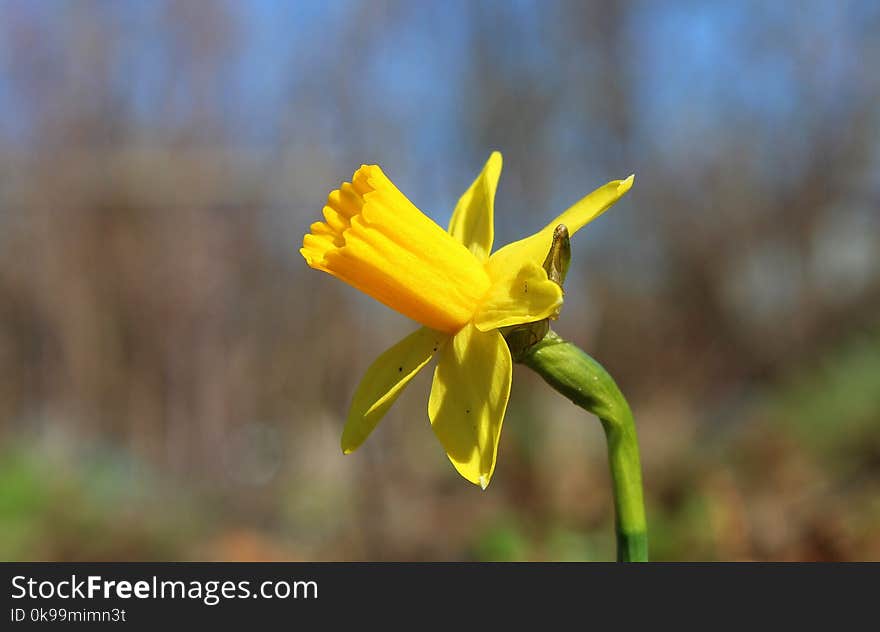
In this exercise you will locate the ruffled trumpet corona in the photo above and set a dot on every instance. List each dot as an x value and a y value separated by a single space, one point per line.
451 283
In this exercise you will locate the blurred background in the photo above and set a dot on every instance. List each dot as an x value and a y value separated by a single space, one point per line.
174 379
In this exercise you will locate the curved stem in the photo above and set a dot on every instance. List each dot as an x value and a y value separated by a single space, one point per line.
586 383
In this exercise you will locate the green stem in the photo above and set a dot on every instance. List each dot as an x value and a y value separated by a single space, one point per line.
583 380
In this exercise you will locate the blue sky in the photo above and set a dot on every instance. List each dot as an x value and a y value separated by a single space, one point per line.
695 73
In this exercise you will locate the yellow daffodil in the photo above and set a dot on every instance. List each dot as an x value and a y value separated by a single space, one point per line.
375 239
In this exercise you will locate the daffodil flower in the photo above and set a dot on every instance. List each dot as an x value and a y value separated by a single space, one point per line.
376 240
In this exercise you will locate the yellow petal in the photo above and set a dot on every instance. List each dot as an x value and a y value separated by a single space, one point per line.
507 261
472 222
375 239
385 380
525 296
468 399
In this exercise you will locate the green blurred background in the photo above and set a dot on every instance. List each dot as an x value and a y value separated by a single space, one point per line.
174 379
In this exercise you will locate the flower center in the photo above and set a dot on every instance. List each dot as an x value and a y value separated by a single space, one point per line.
376 240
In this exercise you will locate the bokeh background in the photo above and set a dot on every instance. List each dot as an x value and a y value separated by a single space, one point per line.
174 379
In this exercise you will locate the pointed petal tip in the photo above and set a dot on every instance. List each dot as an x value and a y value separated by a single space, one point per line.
626 184
348 444
484 481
